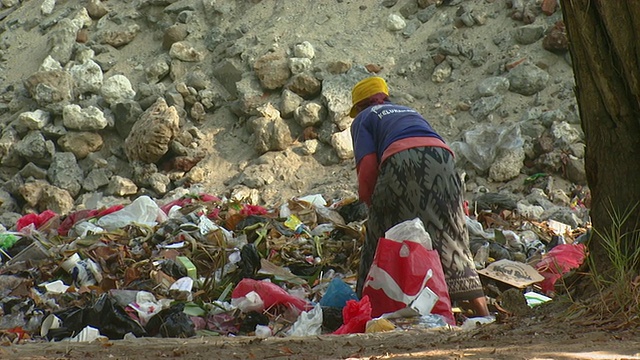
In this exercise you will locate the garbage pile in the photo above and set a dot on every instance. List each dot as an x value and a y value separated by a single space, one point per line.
204 265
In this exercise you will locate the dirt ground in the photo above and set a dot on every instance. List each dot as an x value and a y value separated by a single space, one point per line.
547 334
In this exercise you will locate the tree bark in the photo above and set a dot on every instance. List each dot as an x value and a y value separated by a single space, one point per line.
605 53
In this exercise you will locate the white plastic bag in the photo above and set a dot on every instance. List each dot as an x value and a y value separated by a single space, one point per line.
308 323
250 302
412 230
142 210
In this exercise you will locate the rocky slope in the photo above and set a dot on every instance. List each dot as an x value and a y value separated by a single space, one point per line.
104 101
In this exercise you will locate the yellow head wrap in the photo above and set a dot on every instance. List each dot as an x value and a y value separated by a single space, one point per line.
365 89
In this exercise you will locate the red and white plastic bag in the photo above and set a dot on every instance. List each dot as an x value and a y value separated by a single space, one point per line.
404 264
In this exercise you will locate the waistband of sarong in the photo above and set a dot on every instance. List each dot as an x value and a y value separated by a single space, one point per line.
413 142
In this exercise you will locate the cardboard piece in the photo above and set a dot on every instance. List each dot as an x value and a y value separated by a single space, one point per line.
514 273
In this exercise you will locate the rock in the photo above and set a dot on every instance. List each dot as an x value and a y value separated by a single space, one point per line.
150 136
36 149
559 197
80 144
33 171
272 70
56 199
556 39
197 112
442 72
7 202
448 47
339 67
513 301
31 191
47 7
117 89
96 179
33 120
119 36
565 216
336 95
507 165
549 7
228 72
185 51
395 22
250 95
76 118
298 65
565 134
577 150
9 219
491 86
87 77
550 117
246 195
575 170
173 34
125 115
96 9
309 147
343 144
61 40
157 70
533 212
389 3
528 34
65 173
482 107
305 85
51 88
304 50
270 131
159 183
121 186
309 114
289 102
527 79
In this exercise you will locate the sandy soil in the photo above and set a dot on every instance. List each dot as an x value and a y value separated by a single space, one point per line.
521 339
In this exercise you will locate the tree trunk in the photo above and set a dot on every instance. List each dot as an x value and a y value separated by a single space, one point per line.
605 51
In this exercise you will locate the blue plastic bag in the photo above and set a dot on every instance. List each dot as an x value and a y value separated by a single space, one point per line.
337 295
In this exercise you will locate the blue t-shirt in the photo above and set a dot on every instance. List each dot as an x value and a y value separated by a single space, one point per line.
378 126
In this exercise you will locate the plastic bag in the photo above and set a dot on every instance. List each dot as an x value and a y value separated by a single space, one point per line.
251 301
355 316
410 230
171 322
482 144
269 292
338 293
399 273
36 219
308 323
559 261
142 210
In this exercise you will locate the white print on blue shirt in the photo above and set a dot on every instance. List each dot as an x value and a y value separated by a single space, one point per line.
385 112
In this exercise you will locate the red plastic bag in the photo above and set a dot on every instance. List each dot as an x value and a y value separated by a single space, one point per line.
557 262
36 219
398 274
270 293
355 316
